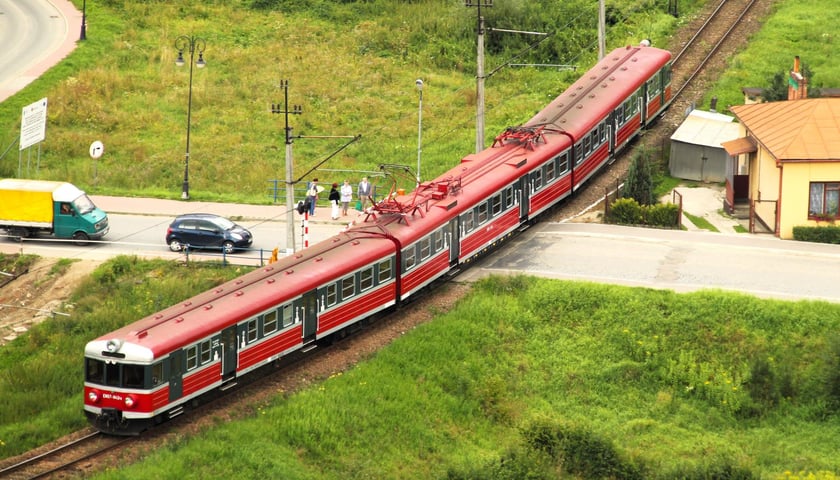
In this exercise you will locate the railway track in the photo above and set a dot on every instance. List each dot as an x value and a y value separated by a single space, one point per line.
61 458
701 52
717 35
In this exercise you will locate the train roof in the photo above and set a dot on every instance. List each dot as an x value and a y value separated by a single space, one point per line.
605 86
255 292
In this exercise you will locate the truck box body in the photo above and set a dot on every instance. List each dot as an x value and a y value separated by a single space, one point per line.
27 202
40 206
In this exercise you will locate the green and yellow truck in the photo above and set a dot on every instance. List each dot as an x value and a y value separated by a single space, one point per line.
39 207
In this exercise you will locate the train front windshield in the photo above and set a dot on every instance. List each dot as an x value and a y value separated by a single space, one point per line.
118 375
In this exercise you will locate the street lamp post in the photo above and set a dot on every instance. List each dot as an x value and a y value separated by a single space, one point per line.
419 84
83 33
194 44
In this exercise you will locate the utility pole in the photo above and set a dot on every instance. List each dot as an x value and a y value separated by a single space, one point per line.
602 18
290 186
479 102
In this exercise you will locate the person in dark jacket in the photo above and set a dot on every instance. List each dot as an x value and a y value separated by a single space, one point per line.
334 198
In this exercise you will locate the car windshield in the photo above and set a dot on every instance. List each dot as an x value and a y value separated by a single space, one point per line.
224 223
83 204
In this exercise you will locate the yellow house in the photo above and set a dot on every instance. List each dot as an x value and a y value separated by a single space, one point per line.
786 164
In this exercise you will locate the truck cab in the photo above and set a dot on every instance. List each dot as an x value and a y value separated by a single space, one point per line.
75 216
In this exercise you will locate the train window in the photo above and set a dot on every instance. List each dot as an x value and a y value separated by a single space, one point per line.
537 180
549 170
438 237
384 270
348 287
133 375
562 163
482 213
94 371
619 114
365 279
587 144
112 374
332 294
410 257
509 197
288 318
602 132
157 373
496 204
425 248
578 155
205 351
468 221
252 330
192 357
595 141
270 322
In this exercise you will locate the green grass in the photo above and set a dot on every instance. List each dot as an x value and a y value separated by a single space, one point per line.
40 371
794 29
700 222
555 378
351 66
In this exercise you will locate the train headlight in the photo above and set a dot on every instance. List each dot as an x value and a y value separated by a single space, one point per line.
113 345
93 396
129 401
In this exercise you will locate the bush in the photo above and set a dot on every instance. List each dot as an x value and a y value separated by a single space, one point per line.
627 211
822 234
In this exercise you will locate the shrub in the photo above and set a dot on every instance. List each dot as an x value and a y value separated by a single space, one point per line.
625 211
822 234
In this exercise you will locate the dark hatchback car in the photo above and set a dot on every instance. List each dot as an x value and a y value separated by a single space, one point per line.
205 230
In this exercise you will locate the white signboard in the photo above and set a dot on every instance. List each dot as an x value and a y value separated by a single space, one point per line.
33 125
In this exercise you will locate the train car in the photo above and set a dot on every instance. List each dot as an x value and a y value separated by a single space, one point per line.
155 368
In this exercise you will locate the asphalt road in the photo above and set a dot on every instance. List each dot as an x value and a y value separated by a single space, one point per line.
759 265
34 36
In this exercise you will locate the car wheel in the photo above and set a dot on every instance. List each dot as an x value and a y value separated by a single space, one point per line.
228 247
175 245
81 238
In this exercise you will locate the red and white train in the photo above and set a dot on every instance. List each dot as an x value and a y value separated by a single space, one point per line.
152 369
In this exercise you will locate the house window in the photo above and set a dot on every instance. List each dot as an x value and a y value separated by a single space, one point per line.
824 199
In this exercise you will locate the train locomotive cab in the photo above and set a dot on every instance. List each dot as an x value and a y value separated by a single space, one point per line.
121 383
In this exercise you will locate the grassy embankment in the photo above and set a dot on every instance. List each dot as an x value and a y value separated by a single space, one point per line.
351 67
524 375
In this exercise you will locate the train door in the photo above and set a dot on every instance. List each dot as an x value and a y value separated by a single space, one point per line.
176 373
523 190
307 307
454 241
229 353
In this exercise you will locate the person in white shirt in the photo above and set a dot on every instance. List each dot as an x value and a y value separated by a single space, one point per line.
346 197
364 193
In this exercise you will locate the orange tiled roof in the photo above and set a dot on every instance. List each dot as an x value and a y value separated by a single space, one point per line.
795 130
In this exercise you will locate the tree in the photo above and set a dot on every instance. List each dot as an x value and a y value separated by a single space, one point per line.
639 183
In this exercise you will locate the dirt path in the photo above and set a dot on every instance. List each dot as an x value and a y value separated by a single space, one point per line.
29 299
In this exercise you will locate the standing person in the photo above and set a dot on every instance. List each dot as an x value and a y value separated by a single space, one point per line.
364 192
346 197
312 196
334 199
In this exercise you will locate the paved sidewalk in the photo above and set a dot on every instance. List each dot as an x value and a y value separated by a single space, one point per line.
236 211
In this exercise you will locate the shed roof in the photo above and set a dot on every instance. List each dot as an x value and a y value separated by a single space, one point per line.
709 129
807 129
